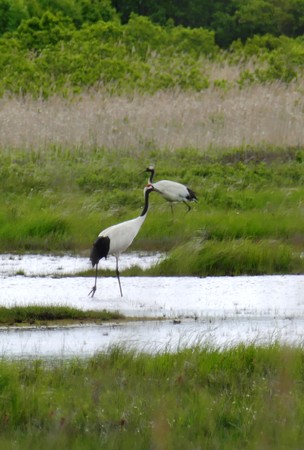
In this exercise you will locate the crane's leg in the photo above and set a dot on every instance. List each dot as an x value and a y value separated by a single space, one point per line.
172 211
188 206
117 274
93 290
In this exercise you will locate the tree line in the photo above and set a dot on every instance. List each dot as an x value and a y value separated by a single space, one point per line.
67 51
228 19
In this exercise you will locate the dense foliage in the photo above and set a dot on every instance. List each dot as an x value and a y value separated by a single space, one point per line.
50 55
63 47
230 20
13 12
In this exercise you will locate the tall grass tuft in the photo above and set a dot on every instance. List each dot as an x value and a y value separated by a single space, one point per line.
232 257
44 314
45 230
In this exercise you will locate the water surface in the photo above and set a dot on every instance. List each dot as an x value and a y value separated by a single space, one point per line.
218 311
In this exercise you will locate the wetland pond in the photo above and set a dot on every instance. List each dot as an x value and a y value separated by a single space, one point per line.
183 311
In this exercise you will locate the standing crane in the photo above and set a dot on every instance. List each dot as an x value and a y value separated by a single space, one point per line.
117 238
171 190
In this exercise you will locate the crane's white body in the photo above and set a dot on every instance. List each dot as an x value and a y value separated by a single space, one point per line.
122 235
171 190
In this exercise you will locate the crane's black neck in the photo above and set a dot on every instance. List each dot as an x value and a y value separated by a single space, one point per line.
146 205
151 174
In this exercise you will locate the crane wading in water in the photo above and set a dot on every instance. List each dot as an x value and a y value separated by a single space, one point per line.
117 238
171 190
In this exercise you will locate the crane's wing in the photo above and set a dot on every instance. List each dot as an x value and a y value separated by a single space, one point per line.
122 235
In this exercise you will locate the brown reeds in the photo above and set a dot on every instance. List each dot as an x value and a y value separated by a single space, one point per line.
217 118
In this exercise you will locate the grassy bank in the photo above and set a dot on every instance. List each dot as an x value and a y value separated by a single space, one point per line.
245 398
249 218
52 315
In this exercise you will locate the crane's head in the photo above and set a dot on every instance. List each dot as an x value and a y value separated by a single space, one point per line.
150 169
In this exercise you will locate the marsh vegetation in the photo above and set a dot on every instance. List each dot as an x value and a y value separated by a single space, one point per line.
247 398
250 206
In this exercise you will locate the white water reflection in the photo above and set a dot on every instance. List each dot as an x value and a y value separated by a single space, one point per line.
171 297
41 265
150 337
218 311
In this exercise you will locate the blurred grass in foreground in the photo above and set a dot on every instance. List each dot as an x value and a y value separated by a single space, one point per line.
201 398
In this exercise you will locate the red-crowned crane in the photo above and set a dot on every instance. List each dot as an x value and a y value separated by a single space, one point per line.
117 238
171 190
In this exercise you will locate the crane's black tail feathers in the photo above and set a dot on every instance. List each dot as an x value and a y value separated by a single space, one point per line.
191 195
100 249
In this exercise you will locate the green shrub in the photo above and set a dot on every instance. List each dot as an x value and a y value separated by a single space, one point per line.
47 55
280 59
12 12
38 33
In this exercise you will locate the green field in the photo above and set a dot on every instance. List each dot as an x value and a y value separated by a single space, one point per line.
249 218
244 398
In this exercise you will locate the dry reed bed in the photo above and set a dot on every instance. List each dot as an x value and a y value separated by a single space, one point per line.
255 115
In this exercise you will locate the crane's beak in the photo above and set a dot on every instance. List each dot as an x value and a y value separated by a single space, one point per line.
142 171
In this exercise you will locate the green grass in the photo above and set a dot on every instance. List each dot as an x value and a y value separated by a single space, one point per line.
250 205
236 257
38 315
244 398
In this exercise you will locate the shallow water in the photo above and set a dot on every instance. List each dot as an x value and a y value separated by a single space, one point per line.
41 265
151 337
218 311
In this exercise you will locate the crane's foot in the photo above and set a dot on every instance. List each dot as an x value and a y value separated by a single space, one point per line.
188 207
92 291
